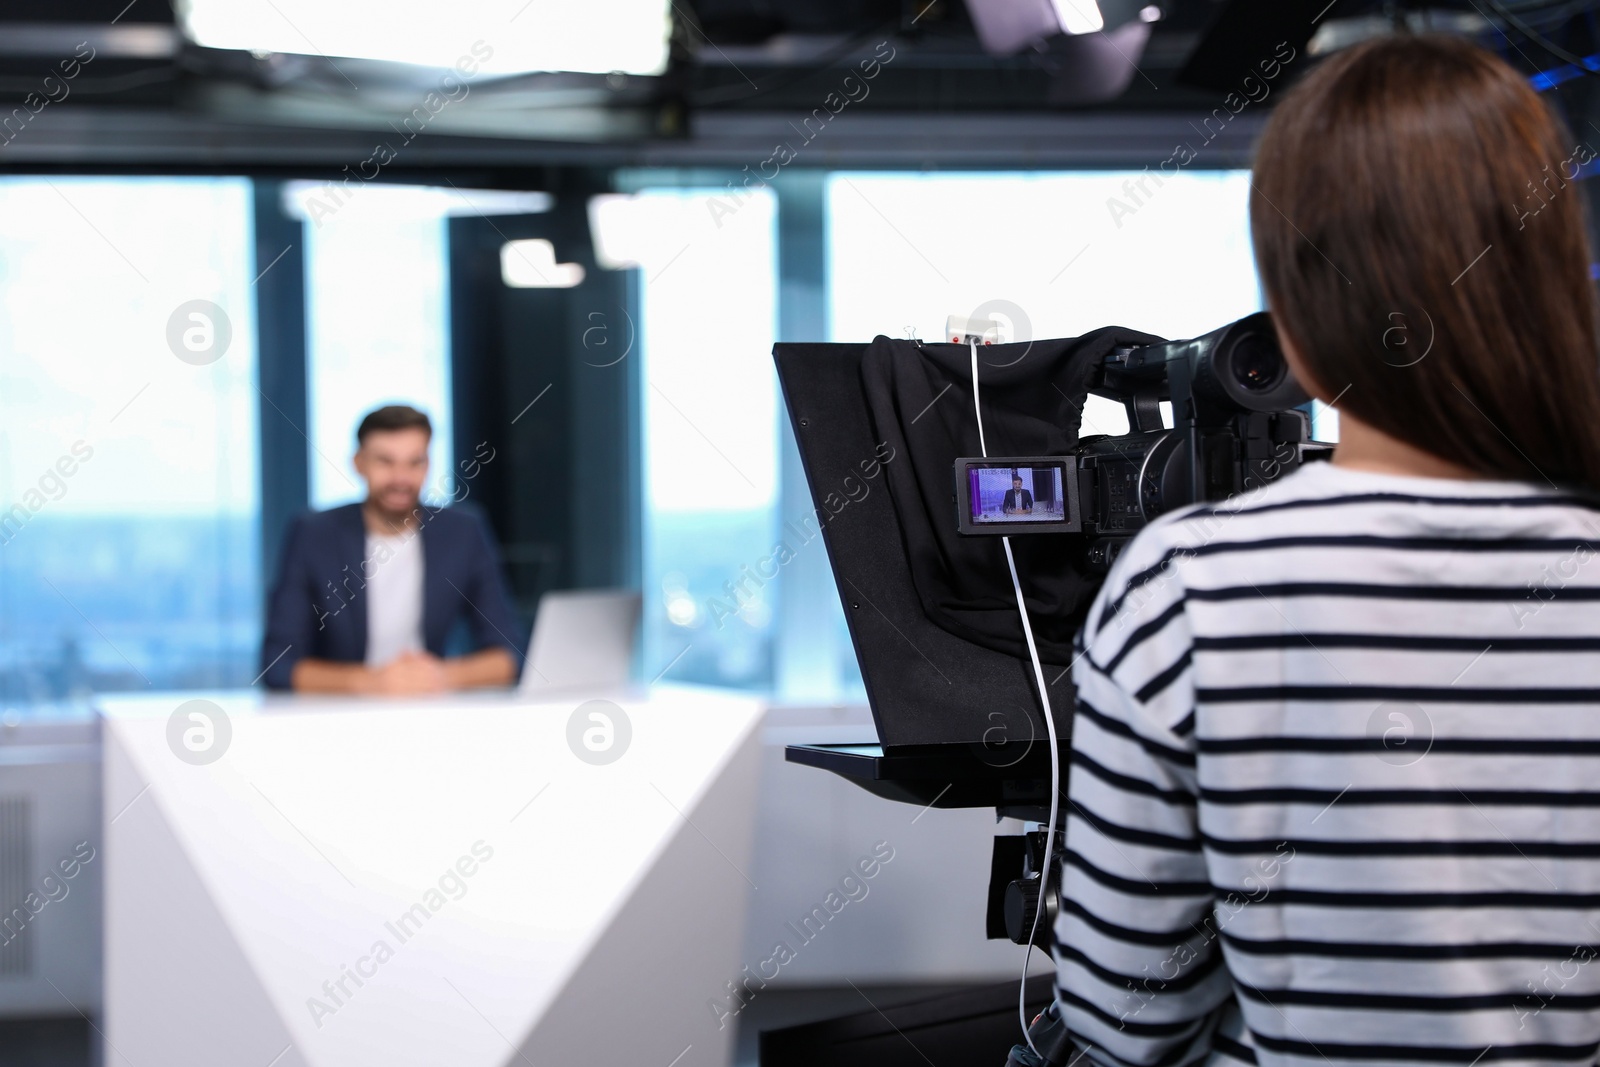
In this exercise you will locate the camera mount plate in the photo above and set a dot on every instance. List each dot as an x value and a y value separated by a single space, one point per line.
1014 779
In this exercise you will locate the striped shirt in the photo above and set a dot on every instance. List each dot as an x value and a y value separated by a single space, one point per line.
1335 781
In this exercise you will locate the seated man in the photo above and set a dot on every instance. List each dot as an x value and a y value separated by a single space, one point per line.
1018 499
367 594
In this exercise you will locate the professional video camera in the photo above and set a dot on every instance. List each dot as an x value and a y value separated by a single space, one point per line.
1237 425
928 593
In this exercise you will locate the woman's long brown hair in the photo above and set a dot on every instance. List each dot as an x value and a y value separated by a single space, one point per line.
1419 231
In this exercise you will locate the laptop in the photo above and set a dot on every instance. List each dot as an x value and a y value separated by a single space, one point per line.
583 639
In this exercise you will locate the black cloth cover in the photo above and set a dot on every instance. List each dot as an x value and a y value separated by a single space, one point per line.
920 396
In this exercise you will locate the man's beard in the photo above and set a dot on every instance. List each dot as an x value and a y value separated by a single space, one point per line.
395 516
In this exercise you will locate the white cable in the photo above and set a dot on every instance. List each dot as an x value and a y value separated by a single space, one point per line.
1049 725
983 449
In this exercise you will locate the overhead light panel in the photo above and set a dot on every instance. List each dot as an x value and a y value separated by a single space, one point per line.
311 201
494 37
1079 16
1008 26
531 264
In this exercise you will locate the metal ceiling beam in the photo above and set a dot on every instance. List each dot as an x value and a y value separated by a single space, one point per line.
96 138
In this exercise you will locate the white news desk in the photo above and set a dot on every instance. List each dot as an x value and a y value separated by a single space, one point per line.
442 882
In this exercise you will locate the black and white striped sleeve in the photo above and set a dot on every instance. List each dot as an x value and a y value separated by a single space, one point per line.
1139 975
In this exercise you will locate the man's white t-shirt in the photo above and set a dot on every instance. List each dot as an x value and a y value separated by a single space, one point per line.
394 596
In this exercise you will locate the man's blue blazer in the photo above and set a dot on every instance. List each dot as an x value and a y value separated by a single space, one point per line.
318 605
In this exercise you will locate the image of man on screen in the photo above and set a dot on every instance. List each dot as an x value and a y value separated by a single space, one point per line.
1018 501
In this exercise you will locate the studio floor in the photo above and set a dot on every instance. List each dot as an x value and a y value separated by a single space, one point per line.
70 1042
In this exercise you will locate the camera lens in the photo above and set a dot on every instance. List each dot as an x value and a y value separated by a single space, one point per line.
1256 364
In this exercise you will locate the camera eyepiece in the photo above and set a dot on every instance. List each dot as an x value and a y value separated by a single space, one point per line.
1255 366
1242 365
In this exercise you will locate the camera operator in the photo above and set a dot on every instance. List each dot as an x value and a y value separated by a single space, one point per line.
1335 787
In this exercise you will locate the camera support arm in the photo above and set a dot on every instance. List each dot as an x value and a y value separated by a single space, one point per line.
1185 418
